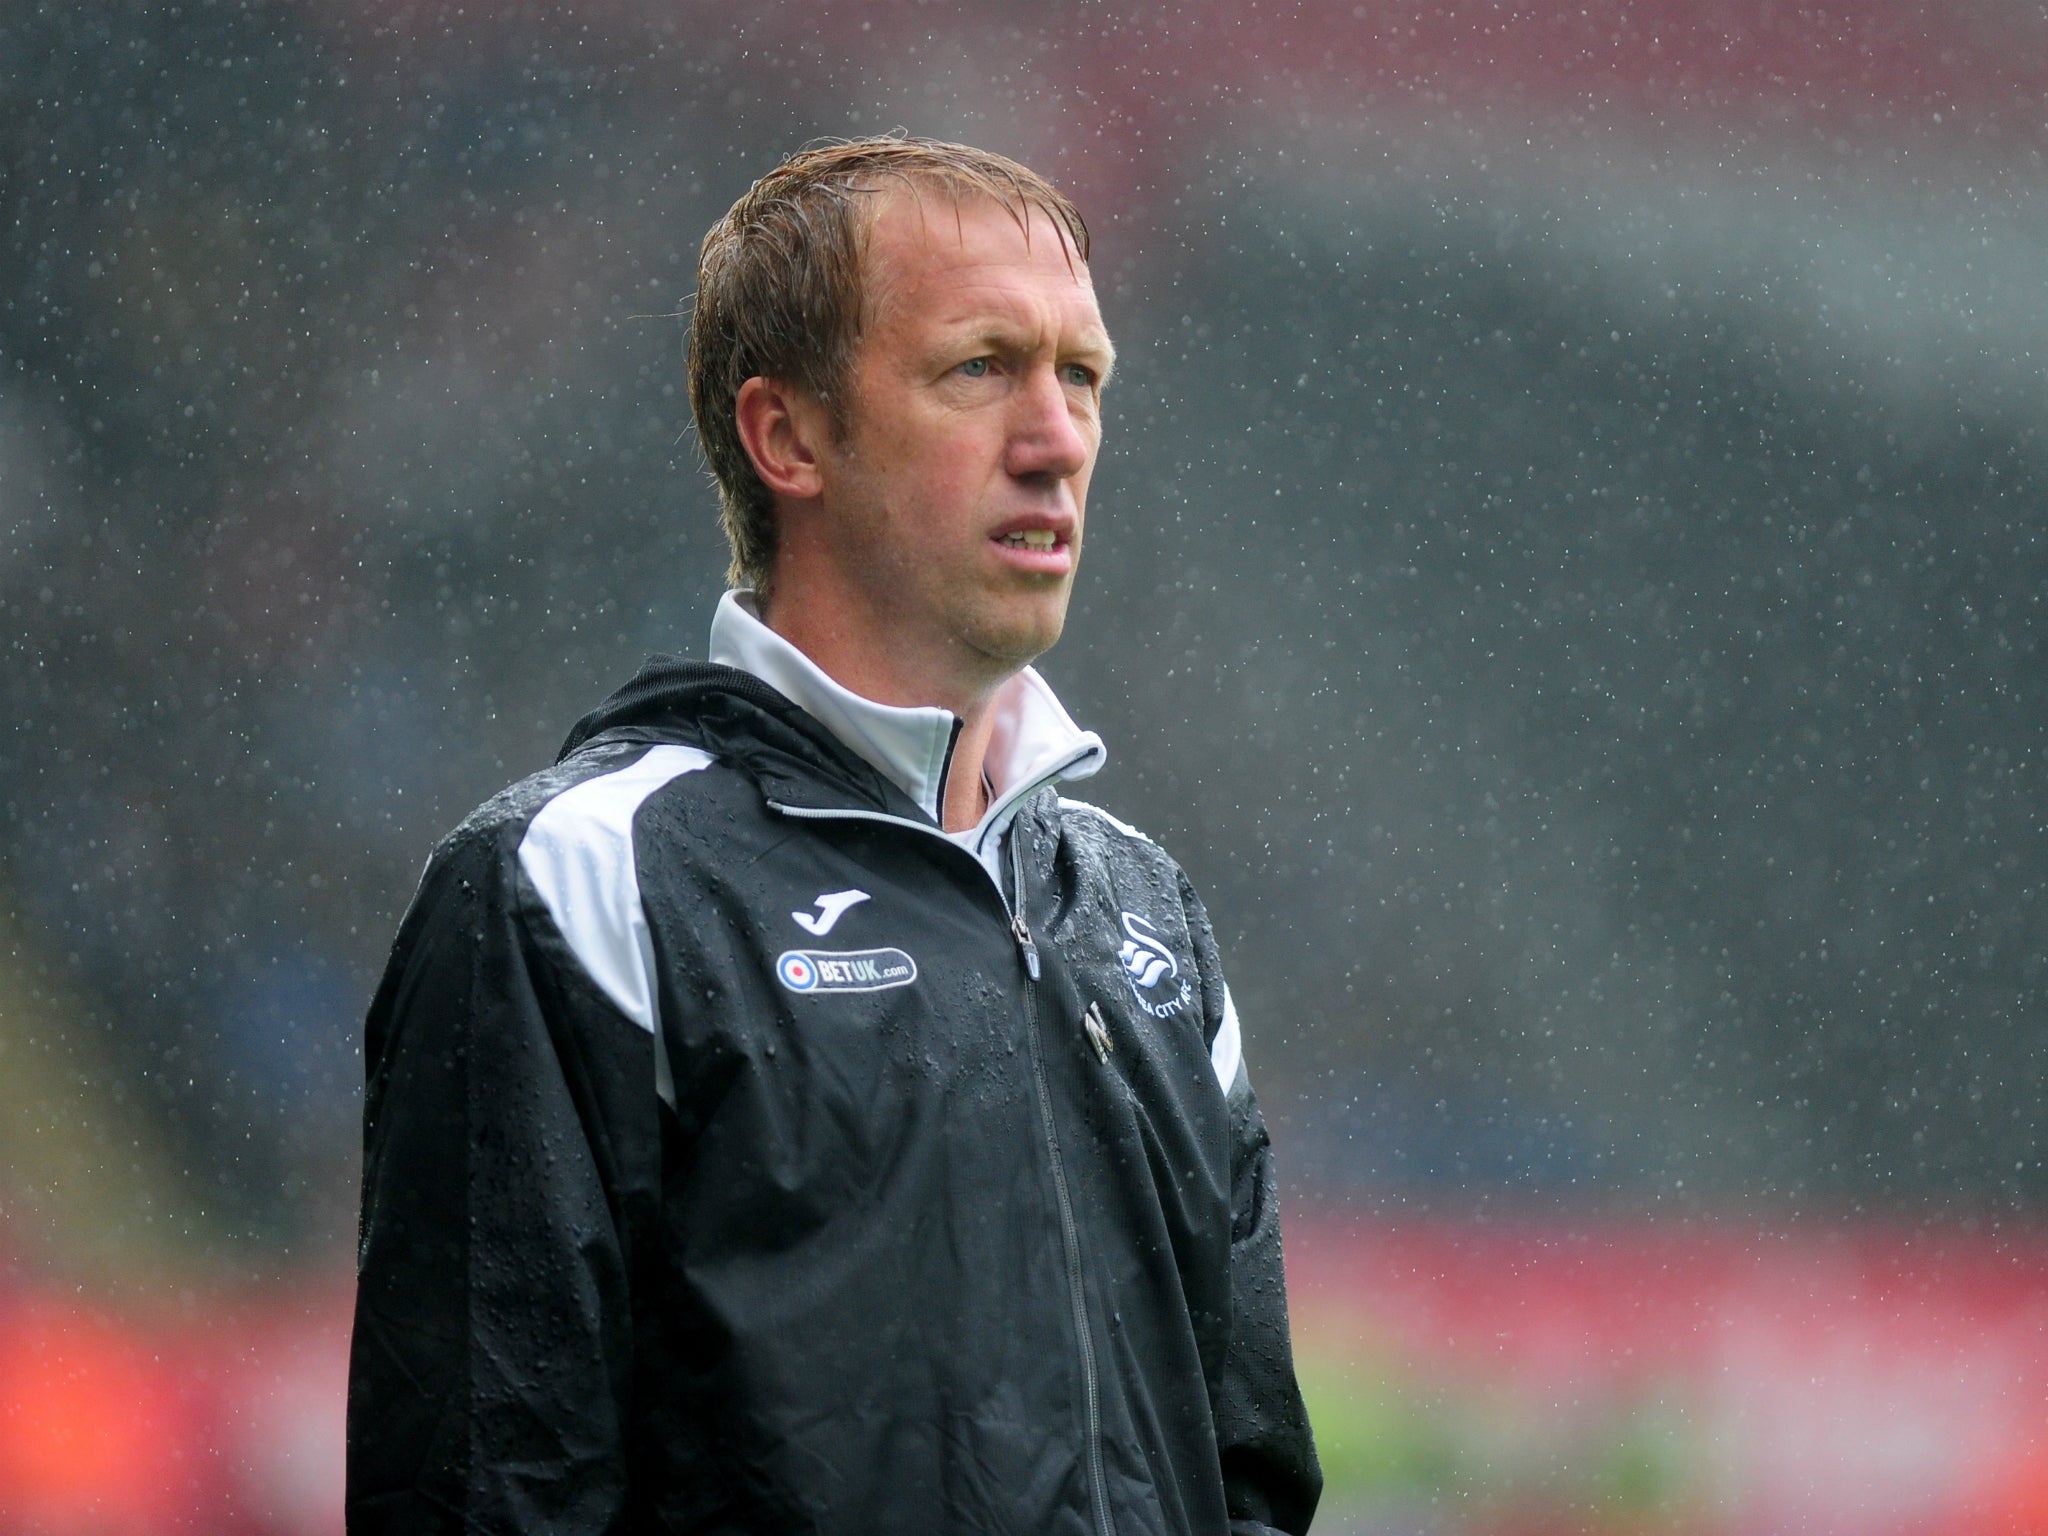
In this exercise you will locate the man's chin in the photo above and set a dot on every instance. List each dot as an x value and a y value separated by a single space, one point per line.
1009 648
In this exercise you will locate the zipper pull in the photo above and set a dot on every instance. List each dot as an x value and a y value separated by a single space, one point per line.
1023 937
1098 1032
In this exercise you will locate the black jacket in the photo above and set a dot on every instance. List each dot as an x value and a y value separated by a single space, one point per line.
740 1157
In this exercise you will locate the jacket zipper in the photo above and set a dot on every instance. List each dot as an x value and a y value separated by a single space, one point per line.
1070 1234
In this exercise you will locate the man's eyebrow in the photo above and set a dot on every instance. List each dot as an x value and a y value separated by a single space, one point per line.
1004 335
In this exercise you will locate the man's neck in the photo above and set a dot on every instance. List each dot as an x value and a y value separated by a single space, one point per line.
966 783
1020 739
889 675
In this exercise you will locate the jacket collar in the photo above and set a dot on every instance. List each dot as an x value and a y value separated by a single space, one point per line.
1034 741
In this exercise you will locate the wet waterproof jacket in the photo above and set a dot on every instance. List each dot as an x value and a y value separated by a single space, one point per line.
742 1157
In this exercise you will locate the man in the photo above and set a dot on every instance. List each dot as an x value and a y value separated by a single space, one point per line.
787 1113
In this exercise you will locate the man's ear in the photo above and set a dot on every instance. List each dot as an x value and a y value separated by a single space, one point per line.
783 431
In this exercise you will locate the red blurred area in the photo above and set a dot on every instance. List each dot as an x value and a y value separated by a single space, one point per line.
1863 1379
1849 1379
217 1415
90 1433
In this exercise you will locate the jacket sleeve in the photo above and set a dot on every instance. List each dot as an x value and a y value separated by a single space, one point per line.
511 1141
1271 1479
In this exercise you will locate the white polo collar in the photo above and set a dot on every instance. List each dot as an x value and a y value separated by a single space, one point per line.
1034 741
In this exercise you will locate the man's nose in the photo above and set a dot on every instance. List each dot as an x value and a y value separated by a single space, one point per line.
1045 436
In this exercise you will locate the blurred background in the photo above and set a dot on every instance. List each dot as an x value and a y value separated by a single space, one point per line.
1567 577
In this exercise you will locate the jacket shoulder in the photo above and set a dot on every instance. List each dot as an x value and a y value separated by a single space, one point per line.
589 796
1113 844
569 833
1086 820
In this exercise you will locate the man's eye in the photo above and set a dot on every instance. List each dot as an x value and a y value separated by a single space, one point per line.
975 367
1077 374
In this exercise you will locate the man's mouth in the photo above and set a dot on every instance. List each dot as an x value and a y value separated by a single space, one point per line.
1031 538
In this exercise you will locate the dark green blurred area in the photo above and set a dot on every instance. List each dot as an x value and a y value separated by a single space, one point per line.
1574 603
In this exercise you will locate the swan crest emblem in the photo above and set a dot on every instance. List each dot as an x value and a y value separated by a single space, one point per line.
1144 955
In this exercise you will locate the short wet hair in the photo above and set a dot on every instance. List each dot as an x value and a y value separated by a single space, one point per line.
781 288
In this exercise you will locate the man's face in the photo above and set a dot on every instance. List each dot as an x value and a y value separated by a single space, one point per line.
956 497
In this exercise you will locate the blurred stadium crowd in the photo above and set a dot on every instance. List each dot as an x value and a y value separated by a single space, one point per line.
1567 575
